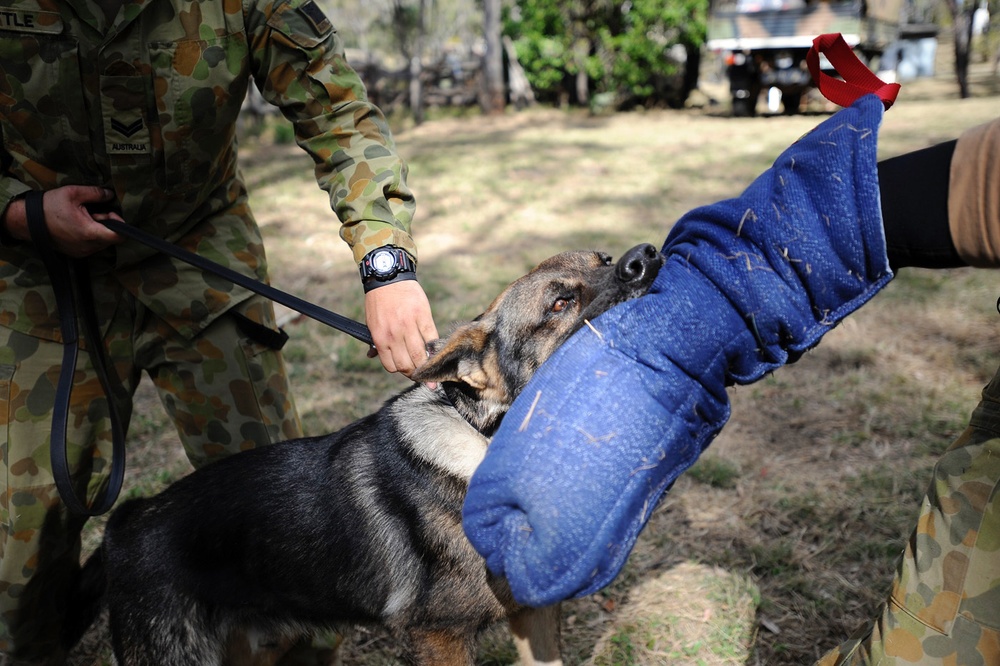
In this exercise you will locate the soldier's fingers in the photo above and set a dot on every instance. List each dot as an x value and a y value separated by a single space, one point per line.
428 331
382 347
427 335
107 235
402 360
407 351
84 194
417 350
385 356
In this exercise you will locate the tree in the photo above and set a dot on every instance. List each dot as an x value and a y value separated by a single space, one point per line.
650 52
961 15
629 53
493 99
409 29
539 32
416 63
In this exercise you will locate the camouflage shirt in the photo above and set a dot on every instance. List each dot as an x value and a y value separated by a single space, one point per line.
146 104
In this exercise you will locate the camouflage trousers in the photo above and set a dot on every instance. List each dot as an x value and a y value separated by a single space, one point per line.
945 602
224 392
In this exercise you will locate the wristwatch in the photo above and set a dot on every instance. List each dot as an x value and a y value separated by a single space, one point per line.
386 264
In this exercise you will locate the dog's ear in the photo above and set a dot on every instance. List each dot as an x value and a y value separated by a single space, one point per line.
457 359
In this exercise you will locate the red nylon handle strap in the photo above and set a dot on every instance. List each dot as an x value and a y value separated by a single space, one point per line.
857 81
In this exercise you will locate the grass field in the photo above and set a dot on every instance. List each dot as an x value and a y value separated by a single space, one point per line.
781 541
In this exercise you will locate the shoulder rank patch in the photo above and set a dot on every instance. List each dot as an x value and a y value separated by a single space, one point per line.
311 11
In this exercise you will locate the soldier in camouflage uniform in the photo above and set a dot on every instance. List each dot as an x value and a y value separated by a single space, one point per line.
944 607
134 103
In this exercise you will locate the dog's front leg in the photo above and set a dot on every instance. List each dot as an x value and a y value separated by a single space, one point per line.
536 635
441 648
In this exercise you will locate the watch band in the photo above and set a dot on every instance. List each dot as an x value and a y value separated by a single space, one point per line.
372 283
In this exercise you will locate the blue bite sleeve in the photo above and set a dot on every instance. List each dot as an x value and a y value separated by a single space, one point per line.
625 406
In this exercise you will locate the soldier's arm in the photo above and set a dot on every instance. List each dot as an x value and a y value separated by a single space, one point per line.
299 65
75 232
941 206
974 196
11 189
74 229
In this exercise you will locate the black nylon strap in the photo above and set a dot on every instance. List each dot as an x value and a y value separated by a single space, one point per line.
59 268
353 328
259 333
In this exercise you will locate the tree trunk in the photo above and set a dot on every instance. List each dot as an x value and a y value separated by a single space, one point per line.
580 52
416 89
521 94
961 14
493 98
416 65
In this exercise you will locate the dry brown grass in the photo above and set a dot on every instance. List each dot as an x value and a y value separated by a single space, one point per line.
782 541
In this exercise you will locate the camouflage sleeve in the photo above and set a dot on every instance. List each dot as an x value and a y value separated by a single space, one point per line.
299 65
10 187
974 198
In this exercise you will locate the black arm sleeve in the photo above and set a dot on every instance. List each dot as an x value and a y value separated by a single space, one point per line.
914 191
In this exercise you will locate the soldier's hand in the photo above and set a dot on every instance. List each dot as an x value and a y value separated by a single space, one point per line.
399 318
71 215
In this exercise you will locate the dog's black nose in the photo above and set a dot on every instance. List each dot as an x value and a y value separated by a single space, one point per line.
639 265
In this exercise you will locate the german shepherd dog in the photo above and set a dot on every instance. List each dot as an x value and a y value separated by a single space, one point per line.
362 526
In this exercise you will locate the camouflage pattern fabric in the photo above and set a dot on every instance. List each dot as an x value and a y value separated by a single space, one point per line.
146 105
945 603
224 392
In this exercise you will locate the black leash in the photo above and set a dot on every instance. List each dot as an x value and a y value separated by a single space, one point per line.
64 274
353 328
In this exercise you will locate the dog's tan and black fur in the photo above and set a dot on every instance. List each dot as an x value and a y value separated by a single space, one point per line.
363 525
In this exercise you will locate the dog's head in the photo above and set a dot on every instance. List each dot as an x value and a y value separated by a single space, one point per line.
486 363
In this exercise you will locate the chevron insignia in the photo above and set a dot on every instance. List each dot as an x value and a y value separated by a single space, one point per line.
126 130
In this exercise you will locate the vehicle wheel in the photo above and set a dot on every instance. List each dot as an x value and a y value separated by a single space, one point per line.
790 103
743 107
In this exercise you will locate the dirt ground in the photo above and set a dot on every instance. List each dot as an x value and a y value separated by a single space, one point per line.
781 542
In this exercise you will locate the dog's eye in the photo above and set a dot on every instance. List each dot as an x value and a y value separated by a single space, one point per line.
560 304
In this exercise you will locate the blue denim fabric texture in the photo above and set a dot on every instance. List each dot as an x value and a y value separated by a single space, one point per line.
610 421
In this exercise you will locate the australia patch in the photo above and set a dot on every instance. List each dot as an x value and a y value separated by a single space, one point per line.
126 130
126 134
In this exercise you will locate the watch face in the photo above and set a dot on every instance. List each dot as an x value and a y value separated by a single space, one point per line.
383 262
